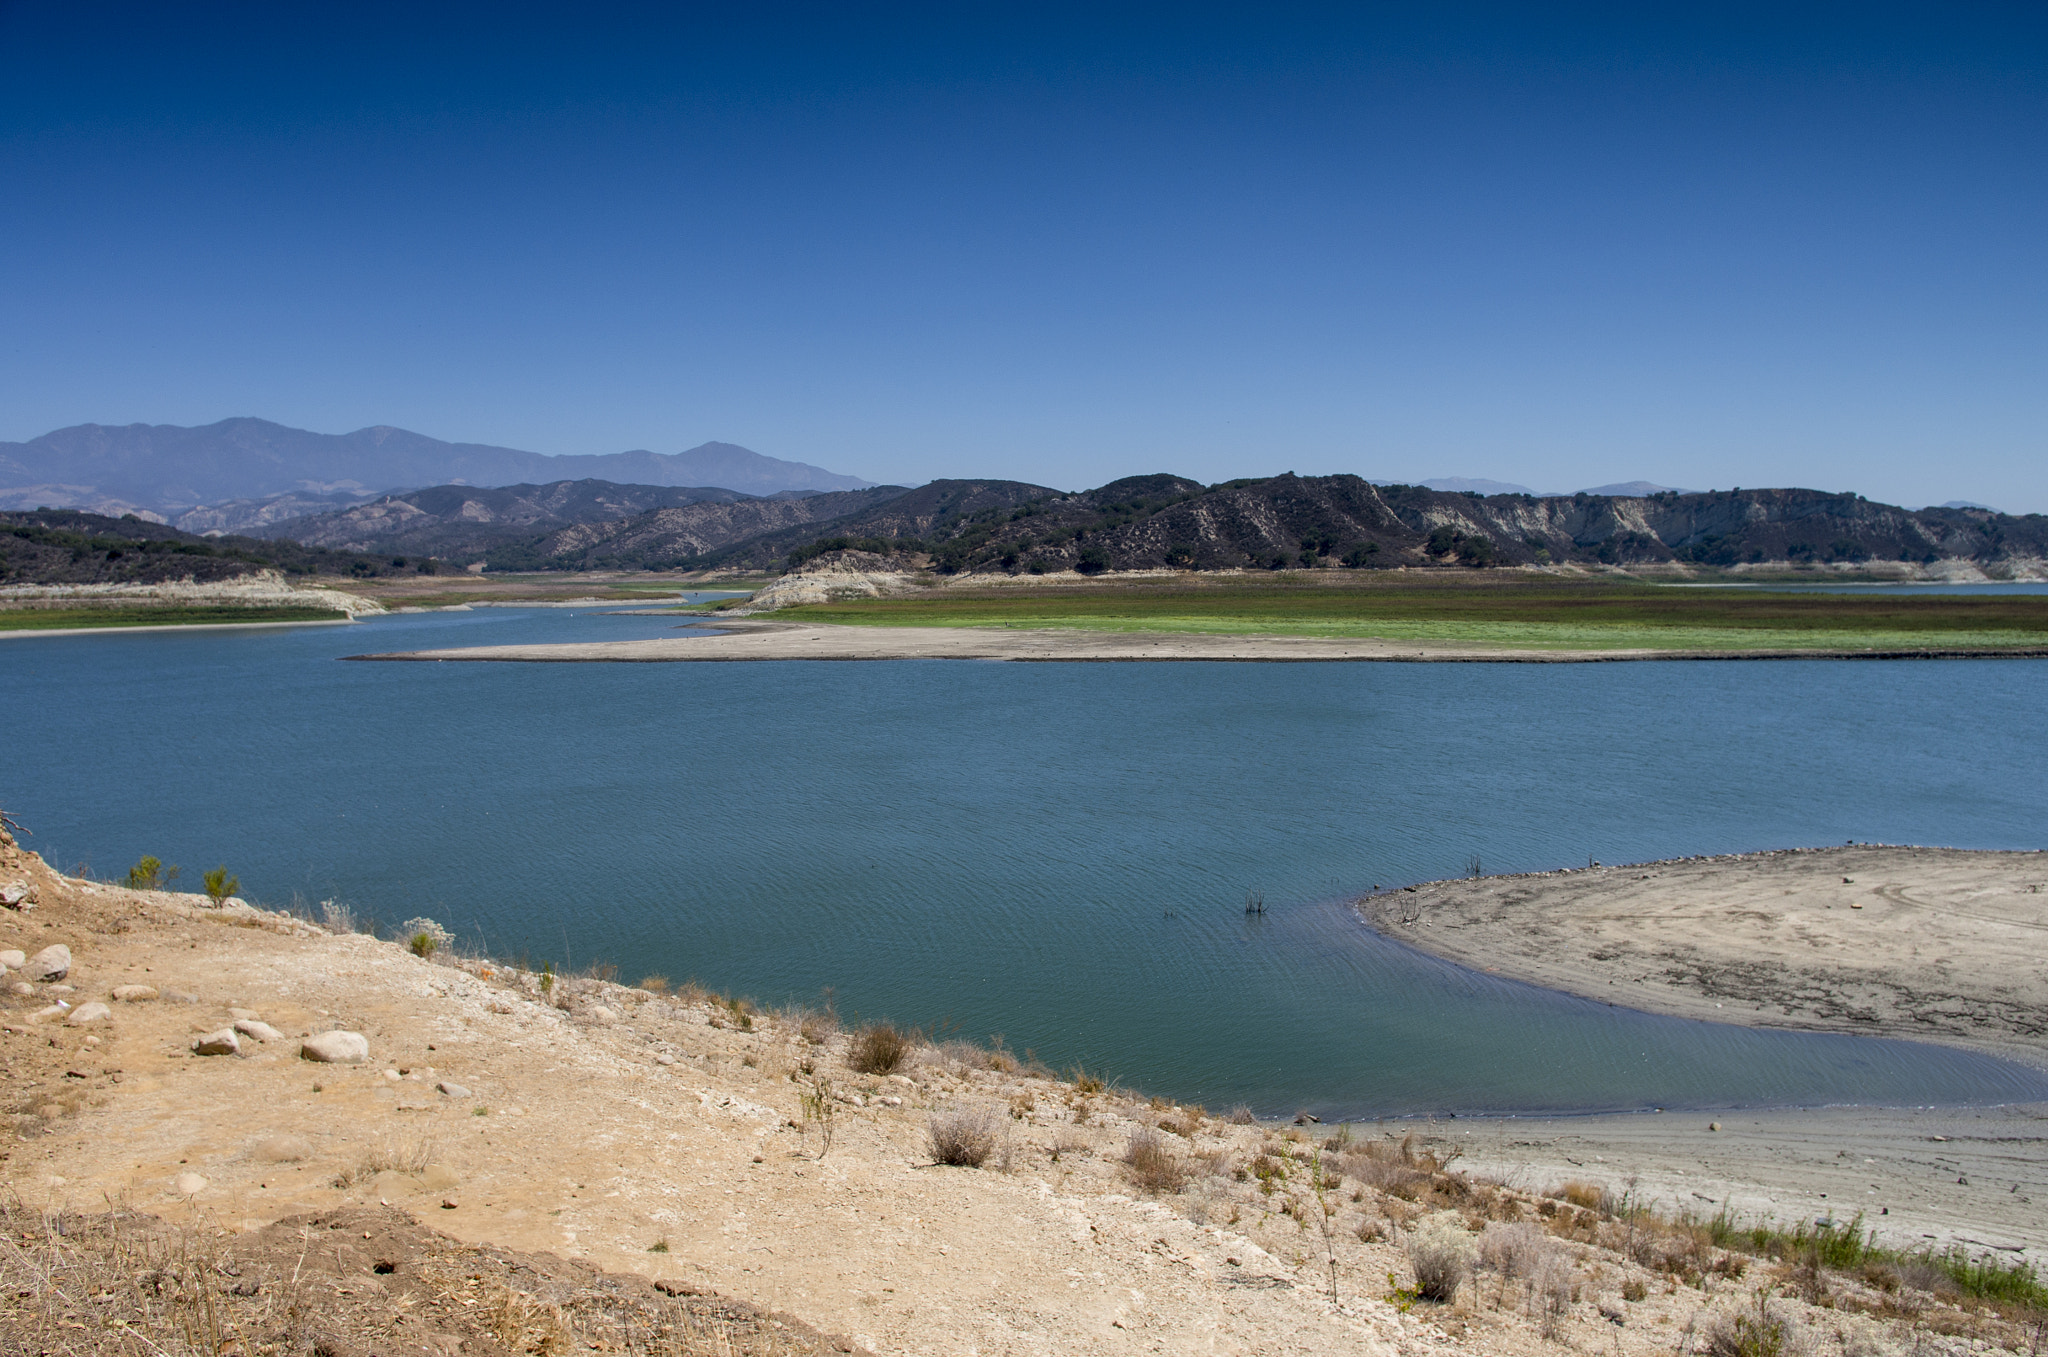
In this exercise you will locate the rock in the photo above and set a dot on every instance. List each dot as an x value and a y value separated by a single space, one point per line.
1713 1126
18 895
56 1010
449 1203
664 1059
13 959
20 988
336 1048
245 1015
282 1149
61 989
134 994
223 1042
188 1184
600 1015
452 1090
52 963
262 1031
234 902
86 1013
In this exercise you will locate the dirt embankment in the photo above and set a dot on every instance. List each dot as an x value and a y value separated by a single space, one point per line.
1937 944
670 1146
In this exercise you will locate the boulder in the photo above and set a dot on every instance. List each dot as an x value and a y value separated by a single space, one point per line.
452 1090
262 1031
20 988
134 994
223 1042
18 895
85 1013
52 963
13 959
336 1048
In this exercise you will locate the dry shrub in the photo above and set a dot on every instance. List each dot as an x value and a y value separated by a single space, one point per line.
1550 1291
816 1028
1152 1163
1241 1116
963 1137
1442 1251
395 1155
1513 1251
654 984
1064 1146
878 1048
1762 1332
1588 1196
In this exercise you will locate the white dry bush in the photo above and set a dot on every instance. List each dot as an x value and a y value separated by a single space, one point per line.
337 917
964 1136
1550 1291
1515 1253
424 936
1442 1251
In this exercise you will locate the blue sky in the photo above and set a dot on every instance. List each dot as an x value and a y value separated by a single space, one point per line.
1544 244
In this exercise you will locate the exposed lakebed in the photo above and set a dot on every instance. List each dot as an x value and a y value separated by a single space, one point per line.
1058 853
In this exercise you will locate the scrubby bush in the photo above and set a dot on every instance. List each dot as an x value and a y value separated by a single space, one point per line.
963 1137
150 874
219 885
424 937
878 1048
1762 1332
1152 1162
1442 1251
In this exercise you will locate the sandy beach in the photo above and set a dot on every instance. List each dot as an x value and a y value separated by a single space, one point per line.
747 639
1934 944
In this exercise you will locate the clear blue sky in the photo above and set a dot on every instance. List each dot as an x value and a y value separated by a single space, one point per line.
1703 245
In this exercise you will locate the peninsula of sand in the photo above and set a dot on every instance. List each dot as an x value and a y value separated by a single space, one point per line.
749 639
1936 944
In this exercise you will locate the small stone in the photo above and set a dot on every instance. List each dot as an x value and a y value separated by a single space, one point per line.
56 1010
20 988
223 1042
393 1075
600 1015
52 963
336 1048
134 994
245 1015
449 1203
451 1090
60 989
13 959
664 1059
262 1031
86 1013
188 1184
1713 1126
18 895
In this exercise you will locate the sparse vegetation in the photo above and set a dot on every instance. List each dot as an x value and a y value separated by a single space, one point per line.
878 1048
1152 1162
1442 1252
962 1136
150 874
220 885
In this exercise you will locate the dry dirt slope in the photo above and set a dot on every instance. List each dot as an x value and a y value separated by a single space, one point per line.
649 1134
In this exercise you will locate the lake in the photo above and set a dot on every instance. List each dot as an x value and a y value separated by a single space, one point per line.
1056 853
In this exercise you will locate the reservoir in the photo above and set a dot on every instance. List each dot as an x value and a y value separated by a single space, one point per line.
1059 854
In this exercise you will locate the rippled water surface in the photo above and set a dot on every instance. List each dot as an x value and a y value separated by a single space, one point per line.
1057 853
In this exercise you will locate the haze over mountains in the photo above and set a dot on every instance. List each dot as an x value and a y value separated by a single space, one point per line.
169 470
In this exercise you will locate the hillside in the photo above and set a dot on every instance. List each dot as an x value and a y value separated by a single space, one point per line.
168 469
668 538
57 546
1154 522
462 522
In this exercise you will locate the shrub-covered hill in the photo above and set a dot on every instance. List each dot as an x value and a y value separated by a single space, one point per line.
1145 522
63 546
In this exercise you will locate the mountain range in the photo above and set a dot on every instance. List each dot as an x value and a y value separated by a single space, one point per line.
168 471
1149 522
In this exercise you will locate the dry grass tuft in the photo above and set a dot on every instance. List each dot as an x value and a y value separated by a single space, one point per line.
879 1048
1152 1163
963 1137
1441 1251
408 1156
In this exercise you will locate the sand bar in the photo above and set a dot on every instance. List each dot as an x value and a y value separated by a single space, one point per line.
743 639
1935 944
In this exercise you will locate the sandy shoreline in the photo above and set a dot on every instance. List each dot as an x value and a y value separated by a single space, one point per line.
742 639
1930 944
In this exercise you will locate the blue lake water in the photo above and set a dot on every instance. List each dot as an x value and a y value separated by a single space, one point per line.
1057 853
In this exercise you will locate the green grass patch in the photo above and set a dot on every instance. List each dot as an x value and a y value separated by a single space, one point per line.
72 619
1849 1248
1518 615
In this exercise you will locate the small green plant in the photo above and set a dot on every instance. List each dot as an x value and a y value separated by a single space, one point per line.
480 1112
424 937
658 1246
219 885
817 1107
423 944
547 977
150 874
